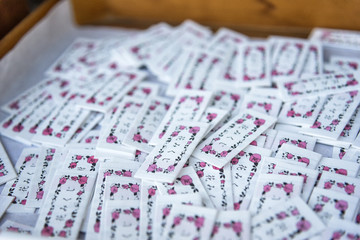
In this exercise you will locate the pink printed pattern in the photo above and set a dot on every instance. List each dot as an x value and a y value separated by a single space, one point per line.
90 161
111 137
132 187
109 172
208 149
139 136
197 220
235 226
127 212
275 72
178 132
184 180
66 229
348 188
239 162
247 77
324 201
40 185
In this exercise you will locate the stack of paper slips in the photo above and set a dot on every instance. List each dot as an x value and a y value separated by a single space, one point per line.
179 133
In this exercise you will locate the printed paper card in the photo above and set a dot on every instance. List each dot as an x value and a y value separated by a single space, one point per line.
240 131
318 85
23 124
245 170
345 64
299 140
255 69
217 182
53 86
90 140
287 58
168 56
146 123
188 105
259 141
254 61
200 73
330 204
301 112
293 153
263 105
14 227
61 124
228 100
329 68
122 220
187 182
114 167
138 50
288 220
313 61
351 154
140 156
213 116
272 162
187 34
225 39
109 116
121 188
175 73
189 222
167 159
112 91
90 122
273 166
149 194
80 160
65 206
171 55
113 134
104 57
232 225
340 183
20 186
270 135
356 143
351 129
337 166
5 202
163 206
195 28
29 105
334 115
341 229
230 74
7 171
68 63
144 90
341 153
271 93
336 37
48 161
287 128
271 189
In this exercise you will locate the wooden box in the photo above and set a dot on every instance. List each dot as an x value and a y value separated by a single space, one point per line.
258 18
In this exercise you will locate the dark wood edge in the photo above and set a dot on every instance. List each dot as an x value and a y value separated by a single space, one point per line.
11 39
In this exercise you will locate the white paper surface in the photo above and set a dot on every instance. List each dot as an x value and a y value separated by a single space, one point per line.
26 63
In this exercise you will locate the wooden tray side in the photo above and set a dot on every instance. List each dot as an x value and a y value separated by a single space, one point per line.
295 17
